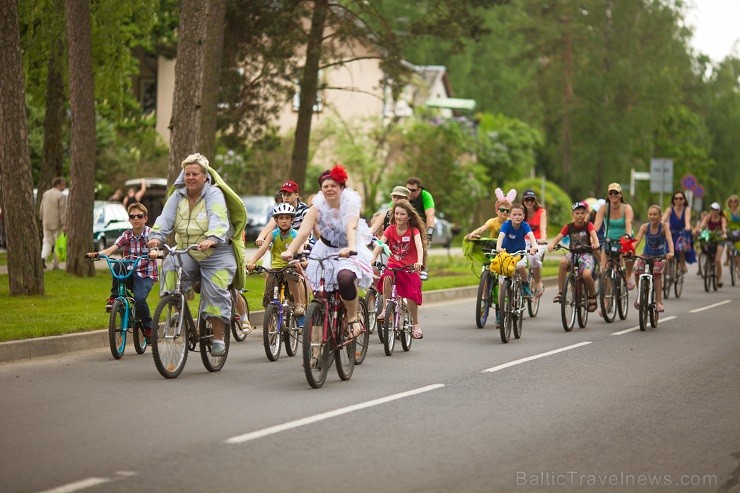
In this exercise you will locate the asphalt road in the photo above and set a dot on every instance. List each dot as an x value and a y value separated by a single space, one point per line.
590 409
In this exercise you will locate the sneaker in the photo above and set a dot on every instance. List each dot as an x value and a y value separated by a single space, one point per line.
218 348
424 275
109 303
498 319
526 292
299 310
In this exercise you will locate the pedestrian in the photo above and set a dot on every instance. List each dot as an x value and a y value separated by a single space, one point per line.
53 218
134 197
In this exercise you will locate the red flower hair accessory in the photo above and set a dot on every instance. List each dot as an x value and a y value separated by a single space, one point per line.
339 174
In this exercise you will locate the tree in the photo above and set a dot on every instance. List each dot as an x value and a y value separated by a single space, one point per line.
215 26
24 249
82 166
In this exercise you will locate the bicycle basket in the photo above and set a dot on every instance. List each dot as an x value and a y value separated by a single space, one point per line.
613 248
683 244
504 264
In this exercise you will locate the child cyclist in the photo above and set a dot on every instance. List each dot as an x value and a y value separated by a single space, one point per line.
278 242
582 236
406 243
512 238
657 235
493 225
134 244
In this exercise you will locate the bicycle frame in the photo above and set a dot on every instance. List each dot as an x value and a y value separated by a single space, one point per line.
130 265
400 310
580 290
511 291
646 281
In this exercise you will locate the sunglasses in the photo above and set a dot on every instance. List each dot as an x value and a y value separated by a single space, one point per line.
504 210
678 198
614 192
529 199
136 216
412 190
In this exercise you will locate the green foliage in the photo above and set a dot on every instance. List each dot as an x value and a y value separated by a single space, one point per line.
555 199
507 147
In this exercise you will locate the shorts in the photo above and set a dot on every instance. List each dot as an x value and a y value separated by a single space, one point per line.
586 262
657 267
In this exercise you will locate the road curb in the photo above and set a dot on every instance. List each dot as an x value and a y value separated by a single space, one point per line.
51 345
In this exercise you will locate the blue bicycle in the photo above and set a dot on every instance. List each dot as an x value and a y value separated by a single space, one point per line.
123 317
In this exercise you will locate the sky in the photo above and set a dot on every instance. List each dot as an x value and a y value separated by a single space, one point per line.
716 27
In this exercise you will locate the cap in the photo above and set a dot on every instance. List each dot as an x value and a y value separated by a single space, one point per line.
716 206
529 193
614 186
290 187
579 205
401 192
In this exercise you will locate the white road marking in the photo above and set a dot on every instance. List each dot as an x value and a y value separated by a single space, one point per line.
697 310
660 321
327 415
88 483
536 356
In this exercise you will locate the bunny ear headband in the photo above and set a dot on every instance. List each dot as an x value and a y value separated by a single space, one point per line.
509 197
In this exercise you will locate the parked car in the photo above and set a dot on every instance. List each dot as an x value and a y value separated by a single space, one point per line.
110 220
443 229
259 212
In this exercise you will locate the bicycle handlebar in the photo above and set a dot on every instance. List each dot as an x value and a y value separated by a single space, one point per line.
128 263
575 250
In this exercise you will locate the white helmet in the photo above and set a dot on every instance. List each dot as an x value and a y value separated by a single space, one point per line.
283 208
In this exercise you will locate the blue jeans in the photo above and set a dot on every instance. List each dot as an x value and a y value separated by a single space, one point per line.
140 286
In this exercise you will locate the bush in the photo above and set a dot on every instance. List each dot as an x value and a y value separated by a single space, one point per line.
555 200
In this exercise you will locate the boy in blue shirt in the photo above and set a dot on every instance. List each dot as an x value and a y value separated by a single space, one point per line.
278 242
511 238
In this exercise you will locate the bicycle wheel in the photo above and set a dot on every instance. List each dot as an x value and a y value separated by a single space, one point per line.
169 337
316 352
271 332
116 329
568 303
653 310
205 341
363 341
707 272
236 325
389 328
506 305
623 296
669 274
518 319
482 302
582 303
291 334
714 275
644 307
371 302
533 304
732 264
607 296
139 338
345 350
406 328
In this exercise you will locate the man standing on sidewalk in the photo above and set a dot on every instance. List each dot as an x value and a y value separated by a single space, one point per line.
53 218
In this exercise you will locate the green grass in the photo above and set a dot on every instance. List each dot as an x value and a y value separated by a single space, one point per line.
3 258
74 304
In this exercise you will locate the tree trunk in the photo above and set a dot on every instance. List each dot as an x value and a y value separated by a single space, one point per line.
51 164
25 272
309 84
212 76
567 94
185 124
82 166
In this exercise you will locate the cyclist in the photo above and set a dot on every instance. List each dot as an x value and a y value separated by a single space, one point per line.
335 210
134 244
289 195
405 239
657 235
582 235
423 202
280 238
512 238
536 216
678 217
493 225
197 213
618 217
732 213
382 221
716 223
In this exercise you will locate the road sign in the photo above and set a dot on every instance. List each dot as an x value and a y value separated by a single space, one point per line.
689 181
661 175
699 191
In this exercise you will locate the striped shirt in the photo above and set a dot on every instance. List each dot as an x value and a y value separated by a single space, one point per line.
135 246
300 214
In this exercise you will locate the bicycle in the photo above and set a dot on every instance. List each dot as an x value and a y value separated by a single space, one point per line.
487 287
511 303
123 317
374 303
709 242
733 236
648 308
236 325
533 303
280 325
324 336
175 333
673 276
613 292
397 317
574 297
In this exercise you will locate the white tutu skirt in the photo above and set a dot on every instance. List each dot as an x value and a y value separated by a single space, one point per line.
359 264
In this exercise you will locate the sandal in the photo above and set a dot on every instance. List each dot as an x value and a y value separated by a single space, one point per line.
661 309
557 297
352 331
636 305
416 332
631 285
381 316
592 305
539 292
